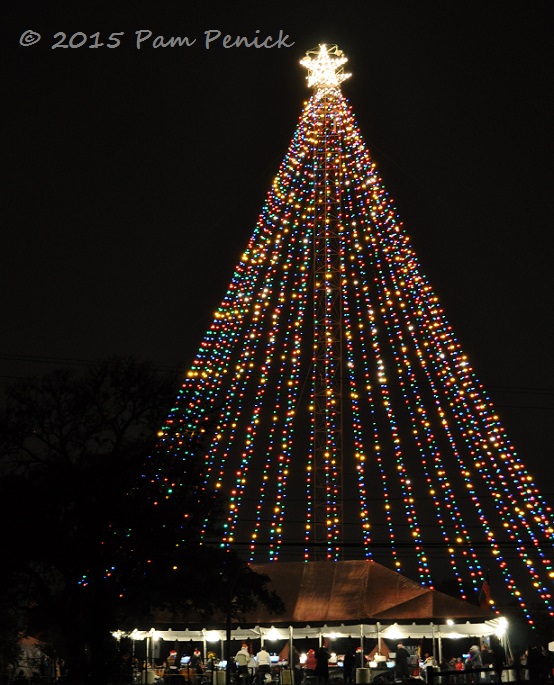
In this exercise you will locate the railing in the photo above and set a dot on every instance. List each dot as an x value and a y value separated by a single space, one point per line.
508 674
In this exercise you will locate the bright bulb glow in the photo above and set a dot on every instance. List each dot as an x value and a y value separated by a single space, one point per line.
272 634
325 67
394 633
502 626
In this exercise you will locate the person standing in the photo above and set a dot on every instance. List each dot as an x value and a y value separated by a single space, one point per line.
429 663
196 665
242 658
348 666
296 666
211 662
534 663
498 654
473 663
402 661
546 663
361 659
459 666
486 661
322 666
263 662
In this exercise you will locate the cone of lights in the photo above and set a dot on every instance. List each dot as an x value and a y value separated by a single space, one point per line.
348 421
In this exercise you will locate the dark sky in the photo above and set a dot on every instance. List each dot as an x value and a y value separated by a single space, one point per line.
133 178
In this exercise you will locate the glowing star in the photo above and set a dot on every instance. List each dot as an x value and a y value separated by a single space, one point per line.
324 67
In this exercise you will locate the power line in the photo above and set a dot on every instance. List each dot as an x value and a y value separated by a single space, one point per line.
86 362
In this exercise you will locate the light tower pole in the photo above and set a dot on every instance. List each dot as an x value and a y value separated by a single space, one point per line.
325 75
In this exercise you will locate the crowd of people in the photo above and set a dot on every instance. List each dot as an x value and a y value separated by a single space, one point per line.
482 664
537 664
479 665
248 667
256 669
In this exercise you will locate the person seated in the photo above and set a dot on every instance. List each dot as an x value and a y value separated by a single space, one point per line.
211 662
310 663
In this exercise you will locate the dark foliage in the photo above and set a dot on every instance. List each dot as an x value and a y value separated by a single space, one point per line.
102 525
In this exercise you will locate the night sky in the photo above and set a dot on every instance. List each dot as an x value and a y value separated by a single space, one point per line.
133 178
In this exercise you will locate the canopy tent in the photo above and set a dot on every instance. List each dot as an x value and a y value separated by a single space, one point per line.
356 599
355 592
393 631
270 635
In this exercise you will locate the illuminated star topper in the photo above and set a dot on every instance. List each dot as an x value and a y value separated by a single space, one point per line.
324 65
